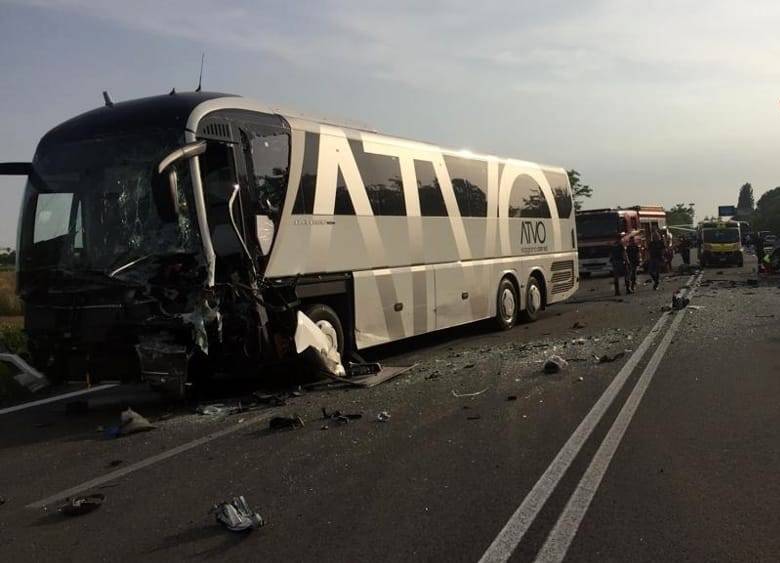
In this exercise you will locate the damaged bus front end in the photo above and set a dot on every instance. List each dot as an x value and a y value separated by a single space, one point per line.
142 244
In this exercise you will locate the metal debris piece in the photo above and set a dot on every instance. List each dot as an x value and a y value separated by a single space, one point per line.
285 422
78 506
308 335
555 364
363 369
28 376
236 515
461 395
219 409
383 416
340 417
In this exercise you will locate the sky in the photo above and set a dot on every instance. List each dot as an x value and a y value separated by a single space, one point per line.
652 102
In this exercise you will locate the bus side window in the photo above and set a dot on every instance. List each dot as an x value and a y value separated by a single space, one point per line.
381 177
304 200
561 193
527 199
469 182
431 200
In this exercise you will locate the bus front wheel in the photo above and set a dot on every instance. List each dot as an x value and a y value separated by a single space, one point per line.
507 304
327 320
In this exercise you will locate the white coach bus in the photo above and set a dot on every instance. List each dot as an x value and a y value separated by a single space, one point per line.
185 233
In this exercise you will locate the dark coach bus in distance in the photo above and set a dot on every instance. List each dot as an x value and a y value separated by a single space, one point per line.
178 235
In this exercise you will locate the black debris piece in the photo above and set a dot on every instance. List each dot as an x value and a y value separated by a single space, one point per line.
433 375
554 364
679 301
2 501
578 325
511 398
236 515
473 417
363 369
115 462
469 366
285 422
339 416
78 506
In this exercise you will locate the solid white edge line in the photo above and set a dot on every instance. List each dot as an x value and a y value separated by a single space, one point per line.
56 398
559 540
513 531
162 456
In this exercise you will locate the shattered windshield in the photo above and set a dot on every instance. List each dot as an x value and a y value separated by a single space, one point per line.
597 226
90 205
720 235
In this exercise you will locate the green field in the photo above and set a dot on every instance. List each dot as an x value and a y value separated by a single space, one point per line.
10 305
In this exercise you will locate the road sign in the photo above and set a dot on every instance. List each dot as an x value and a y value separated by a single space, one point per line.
726 211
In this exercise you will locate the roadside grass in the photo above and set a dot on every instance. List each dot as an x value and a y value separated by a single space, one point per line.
10 304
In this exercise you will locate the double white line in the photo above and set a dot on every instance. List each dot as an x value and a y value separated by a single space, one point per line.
560 538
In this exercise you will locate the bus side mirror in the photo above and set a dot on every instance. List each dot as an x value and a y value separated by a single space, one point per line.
165 181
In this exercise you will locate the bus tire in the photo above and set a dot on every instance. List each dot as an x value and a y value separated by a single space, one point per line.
507 304
328 322
534 299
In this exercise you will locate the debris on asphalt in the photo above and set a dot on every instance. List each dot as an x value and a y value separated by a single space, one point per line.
578 325
606 358
363 369
78 506
339 416
473 417
131 423
236 515
461 395
764 316
285 422
578 341
679 301
2 501
383 416
511 398
115 462
219 409
580 378
555 364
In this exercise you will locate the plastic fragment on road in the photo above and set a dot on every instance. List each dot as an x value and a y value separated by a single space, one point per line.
236 515
285 422
308 335
461 395
554 364
78 506
130 422
383 416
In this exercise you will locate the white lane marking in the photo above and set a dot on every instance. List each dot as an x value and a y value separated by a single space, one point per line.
561 536
513 531
56 398
146 462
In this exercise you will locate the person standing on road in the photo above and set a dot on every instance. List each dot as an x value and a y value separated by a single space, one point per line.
685 250
758 245
619 261
634 257
656 250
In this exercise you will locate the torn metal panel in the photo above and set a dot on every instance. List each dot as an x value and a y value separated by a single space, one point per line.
199 318
164 365
308 335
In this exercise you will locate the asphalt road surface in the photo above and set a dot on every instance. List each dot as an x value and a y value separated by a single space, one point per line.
668 453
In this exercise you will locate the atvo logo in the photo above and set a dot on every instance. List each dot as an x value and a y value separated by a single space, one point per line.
531 232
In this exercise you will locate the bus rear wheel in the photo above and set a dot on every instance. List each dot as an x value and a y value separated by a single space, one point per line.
533 300
507 303
327 320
